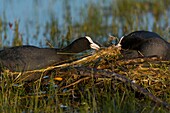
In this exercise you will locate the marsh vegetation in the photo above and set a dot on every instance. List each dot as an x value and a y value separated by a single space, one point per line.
80 86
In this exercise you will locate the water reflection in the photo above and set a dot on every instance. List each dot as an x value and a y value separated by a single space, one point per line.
73 18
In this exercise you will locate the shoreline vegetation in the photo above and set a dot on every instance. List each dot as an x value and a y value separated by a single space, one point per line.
102 73
101 81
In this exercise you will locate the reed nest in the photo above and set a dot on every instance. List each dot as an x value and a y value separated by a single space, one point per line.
148 76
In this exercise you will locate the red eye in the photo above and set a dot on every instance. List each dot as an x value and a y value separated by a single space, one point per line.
10 25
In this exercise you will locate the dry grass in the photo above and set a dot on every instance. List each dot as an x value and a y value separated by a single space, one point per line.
150 73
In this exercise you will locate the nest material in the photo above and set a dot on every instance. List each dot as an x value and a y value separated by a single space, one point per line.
152 73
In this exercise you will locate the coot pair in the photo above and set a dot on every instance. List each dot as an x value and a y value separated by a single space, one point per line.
24 58
144 43
135 44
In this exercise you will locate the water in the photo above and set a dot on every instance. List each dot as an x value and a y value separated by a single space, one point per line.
33 16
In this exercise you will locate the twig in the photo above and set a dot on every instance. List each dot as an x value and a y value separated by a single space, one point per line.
77 62
74 83
127 81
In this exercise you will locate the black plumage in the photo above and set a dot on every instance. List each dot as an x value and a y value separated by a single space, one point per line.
144 43
23 58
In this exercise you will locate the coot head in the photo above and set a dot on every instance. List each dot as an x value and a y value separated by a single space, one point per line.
23 58
145 43
81 44
135 39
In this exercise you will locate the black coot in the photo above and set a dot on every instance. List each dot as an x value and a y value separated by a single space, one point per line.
23 58
144 43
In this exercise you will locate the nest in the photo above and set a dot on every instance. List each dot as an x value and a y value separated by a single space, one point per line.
149 76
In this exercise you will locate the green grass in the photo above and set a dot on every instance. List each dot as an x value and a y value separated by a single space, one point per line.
104 99
103 94
88 91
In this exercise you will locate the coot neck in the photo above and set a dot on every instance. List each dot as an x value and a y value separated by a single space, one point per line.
72 49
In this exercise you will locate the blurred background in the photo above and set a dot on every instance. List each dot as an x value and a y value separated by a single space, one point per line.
59 22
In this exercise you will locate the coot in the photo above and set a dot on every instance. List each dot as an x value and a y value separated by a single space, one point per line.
24 58
144 43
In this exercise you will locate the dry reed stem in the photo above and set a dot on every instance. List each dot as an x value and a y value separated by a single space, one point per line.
113 75
151 73
87 59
